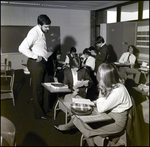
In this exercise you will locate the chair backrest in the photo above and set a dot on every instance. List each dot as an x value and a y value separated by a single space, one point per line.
133 126
5 63
9 65
12 79
8 131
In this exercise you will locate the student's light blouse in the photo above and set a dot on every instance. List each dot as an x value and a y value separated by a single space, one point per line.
90 62
34 44
118 101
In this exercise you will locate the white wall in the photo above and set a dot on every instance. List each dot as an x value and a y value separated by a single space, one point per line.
74 23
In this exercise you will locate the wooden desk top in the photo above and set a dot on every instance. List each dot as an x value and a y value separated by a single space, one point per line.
52 90
95 116
117 64
141 91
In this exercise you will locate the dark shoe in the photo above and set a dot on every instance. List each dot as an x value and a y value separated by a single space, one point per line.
44 117
30 101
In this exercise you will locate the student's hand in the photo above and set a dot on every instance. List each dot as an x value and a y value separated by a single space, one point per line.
39 59
93 53
86 84
75 92
127 62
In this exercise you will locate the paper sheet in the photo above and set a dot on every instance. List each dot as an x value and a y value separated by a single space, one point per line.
83 101
81 83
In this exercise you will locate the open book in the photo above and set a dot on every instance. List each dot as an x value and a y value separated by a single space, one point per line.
83 101
80 83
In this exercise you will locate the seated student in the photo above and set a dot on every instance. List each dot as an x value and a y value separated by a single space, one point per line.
88 60
129 58
89 64
76 74
72 53
113 99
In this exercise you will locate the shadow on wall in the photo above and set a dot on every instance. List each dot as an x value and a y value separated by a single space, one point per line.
66 45
112 55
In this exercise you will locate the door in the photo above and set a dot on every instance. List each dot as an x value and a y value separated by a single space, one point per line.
120 35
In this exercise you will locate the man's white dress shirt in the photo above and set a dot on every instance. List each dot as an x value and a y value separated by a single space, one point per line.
34 44
125 56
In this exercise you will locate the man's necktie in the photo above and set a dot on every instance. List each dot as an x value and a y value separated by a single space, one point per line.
128 59
84 61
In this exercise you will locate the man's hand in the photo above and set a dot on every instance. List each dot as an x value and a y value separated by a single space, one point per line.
93 53
39 59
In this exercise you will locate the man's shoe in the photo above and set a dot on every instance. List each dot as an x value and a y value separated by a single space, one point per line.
30 101
44 117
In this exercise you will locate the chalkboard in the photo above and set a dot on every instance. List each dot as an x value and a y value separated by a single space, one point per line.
12 36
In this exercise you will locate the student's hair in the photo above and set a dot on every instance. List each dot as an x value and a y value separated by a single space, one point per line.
86 51
109 77
75 62
73 49
99 39
134 49
43 19
91 48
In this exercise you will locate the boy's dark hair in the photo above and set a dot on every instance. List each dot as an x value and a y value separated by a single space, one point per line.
91 48
99 39
43 19
86 51
75 62
73 49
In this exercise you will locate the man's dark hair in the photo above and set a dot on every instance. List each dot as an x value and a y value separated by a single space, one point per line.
73 49
99 39
43 19
91 48
86 51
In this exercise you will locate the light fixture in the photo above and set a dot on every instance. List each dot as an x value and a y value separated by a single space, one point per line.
31 4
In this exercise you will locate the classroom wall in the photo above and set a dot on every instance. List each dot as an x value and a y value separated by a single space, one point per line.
74 27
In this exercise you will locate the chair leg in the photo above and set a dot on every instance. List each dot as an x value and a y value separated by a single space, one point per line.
13 99
81 140
66 116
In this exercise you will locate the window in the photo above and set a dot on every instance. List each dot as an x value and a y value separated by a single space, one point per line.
143 36
129 12
145 10
112 15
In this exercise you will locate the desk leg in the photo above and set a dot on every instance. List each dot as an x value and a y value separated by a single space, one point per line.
56 108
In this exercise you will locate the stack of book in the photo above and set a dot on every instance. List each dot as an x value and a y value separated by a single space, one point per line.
58 85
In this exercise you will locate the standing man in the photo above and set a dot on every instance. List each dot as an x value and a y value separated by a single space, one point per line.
35 48
101 53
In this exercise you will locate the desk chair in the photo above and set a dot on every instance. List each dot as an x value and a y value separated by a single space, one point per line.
8 132
4 67
7 84
122 136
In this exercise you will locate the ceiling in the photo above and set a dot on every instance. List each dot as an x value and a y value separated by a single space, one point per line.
76 5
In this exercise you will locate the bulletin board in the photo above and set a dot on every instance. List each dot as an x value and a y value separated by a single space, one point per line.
12 36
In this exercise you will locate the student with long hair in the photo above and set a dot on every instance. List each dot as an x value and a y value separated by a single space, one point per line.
113 99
